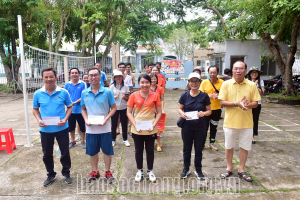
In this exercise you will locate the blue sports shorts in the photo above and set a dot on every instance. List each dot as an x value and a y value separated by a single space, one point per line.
96 141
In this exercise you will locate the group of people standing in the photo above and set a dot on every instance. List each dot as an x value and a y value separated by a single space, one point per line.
119 104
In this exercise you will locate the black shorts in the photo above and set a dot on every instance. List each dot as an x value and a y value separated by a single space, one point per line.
72 122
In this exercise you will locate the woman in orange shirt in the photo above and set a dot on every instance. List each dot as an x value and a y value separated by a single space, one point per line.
160 91
161 80
144 103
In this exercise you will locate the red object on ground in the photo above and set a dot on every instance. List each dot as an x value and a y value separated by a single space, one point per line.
162 122
9 143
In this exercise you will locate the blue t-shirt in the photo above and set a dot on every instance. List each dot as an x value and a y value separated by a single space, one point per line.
103 78
52 106
75 94
98 104
197 103
164 75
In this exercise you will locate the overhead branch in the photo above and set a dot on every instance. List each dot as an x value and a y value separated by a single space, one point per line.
281 29
217 12
110 22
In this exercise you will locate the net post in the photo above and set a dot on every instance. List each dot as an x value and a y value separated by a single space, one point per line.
66 69
24 80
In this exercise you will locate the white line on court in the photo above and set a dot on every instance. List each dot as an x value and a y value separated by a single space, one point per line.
272 126
281 119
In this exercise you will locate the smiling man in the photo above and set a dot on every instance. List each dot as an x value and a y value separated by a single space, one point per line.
97 101
50 101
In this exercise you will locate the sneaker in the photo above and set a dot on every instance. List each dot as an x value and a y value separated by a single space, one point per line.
79 137
68 179
200 175
185 173
113 143
109 177
93 176
139 175
49 181
72 144
83 144
127 144
151 176
213 146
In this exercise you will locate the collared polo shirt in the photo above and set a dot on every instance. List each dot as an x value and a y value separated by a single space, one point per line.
121 103
103 78
98 104
75 94
207 87
52 106
231 91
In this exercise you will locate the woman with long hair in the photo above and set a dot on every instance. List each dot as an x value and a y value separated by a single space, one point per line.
160 91
254 76
144 103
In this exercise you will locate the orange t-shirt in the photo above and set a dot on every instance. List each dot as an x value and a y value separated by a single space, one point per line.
148 111
158 90
161 80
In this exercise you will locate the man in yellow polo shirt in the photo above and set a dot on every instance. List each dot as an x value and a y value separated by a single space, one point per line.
212 87
239 96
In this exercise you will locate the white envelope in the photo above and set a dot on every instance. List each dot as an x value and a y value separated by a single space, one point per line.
95 119
51 120
144 125
192 115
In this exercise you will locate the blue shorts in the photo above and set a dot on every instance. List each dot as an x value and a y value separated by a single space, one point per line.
96 141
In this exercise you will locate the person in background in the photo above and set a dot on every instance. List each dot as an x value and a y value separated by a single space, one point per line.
85 78
98 101
196 70
121 94
239 96
151 65
147 69
144 103
158 64
75 88
193 131
128 72
161 80
227 74
212 87
103 76
254 76
50 101
160 91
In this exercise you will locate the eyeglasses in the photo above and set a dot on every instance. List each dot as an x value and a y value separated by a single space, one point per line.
238 69
94 75
254 72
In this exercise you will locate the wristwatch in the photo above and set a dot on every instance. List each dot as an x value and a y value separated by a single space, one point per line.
235 105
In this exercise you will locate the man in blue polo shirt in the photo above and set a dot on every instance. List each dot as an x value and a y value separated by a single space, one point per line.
75 88
96 101
103 76
49 109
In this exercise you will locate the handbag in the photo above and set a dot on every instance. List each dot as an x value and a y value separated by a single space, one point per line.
180 122
217 91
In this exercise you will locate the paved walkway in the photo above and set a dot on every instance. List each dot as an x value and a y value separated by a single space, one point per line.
273 162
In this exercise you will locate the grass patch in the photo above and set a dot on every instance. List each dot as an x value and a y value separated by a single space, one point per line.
282 95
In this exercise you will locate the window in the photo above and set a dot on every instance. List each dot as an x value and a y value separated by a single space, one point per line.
268 66
198 62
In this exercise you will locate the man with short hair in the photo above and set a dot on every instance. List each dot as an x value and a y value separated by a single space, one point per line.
239 96
49 104
227 74
103 76
75 88
147 69
97 101
128 72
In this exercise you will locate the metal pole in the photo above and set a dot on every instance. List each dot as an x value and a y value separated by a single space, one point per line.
95 54
13 73
24 81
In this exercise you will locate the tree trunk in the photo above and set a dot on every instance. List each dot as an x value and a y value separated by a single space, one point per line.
108 47
83 47
49 32
110 22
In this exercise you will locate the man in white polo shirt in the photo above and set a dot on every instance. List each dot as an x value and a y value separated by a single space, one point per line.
49 102
97 101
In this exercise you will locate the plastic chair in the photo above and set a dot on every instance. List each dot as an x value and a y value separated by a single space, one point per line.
9 143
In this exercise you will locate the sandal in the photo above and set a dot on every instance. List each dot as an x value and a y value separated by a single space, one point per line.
226 174
245 176
159 149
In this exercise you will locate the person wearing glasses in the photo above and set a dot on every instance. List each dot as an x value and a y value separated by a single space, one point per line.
194 107
239 96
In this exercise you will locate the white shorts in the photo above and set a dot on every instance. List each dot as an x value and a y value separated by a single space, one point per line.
245 137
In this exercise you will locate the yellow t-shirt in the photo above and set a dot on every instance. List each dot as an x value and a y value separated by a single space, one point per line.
207 87
231 91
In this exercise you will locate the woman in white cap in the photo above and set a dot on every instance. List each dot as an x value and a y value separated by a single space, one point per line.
194 106
121 93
